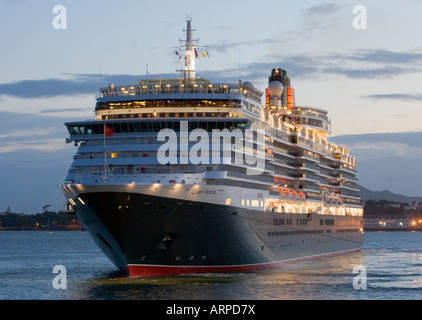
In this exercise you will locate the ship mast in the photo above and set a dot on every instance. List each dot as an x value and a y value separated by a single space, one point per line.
190 51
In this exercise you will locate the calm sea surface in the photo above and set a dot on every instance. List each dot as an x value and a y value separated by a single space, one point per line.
392 261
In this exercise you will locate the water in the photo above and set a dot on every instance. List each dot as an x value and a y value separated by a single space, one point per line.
393 263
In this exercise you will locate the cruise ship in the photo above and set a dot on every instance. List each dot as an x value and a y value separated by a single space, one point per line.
184 175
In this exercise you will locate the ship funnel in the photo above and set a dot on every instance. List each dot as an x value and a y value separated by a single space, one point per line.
275 88
280 92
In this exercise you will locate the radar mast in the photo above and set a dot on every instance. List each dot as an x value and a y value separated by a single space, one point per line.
191 52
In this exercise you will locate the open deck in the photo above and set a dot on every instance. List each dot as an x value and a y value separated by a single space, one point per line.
180 86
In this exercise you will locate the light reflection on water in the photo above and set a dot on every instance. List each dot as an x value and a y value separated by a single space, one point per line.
393 261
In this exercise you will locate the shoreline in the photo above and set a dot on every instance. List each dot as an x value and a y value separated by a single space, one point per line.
83 229
76 228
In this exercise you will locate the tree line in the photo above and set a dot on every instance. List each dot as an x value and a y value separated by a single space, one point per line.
48 220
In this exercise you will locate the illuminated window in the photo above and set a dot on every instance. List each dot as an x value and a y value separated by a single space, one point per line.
113 155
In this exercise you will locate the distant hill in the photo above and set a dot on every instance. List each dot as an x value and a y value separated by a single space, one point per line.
367 194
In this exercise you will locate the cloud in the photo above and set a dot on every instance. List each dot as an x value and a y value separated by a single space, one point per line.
387 160
20 133
385 56
28 89
385 149
228 45
313 21
321 10
55 111
403 145
411 139
381 72
369 64
44 145
31 132
74 84
347 65
412 97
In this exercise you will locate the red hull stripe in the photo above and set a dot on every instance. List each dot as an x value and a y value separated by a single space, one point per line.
139 270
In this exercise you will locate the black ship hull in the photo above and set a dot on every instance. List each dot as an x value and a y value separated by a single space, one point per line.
149 235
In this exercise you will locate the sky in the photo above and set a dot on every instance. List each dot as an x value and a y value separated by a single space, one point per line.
368 78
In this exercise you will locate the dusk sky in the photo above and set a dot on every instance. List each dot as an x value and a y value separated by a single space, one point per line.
368 79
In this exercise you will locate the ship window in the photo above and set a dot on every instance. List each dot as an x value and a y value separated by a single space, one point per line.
155 126
144 127
132 127
303 222
279 222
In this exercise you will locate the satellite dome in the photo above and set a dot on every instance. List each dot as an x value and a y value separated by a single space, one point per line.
275 88
248 84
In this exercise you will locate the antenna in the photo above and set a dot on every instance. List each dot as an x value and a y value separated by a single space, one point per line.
239 60
101 73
